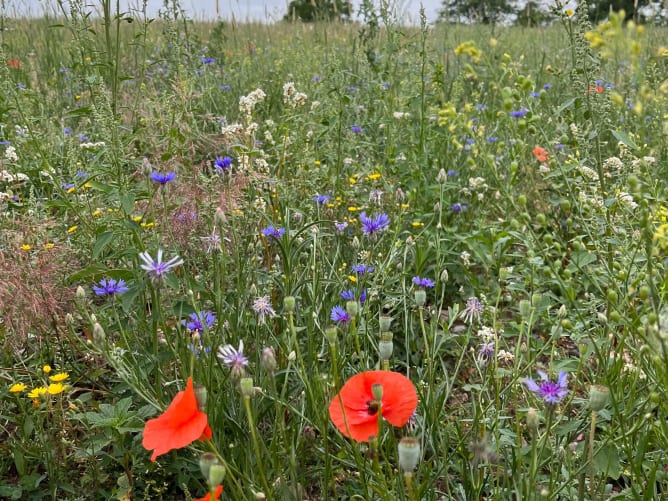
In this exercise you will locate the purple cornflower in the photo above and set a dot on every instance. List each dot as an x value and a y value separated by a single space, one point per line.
485 353
262 306
221 164
362 269
491 139
375 224
349 295
535 94
67 186
225 87
340 315
163 178
271 231
452 173
340 227
109 287
233 357
474 308
321 199
551 392
356 129
198 321
81 174
67 131
158 269
208 60
519 113
423 282
457 208
547 86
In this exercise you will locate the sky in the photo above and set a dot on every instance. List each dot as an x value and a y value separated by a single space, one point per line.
242 10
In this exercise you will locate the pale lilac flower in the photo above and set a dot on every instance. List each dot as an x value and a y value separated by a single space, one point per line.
552 392
340 227
486 353
473 310
233 357
157 269
262 306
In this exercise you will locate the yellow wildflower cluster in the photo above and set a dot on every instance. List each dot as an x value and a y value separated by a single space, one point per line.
470 49
661 231
615 39
54 386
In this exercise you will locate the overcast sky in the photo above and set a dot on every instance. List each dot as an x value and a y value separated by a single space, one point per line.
259 10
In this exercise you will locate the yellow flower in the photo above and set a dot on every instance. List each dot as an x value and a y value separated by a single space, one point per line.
71 190
352 180
147 225
352 278
352 209
569 12
72 229
38 392
56 388
374 176
46 369
61 376
97 212
26 247
417 224
404 206
317 163
49 245
136 219
16 388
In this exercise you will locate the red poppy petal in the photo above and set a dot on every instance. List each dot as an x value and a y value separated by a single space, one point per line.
362 432
184 406
399 397
216 495
206 434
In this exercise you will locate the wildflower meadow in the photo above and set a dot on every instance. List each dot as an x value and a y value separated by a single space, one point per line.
332 261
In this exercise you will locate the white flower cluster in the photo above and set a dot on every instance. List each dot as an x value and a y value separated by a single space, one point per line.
291 97
232 131
399 115
247 103
8 177
10 154
626 200
92 146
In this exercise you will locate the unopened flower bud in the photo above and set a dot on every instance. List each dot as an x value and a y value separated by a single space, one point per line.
81 293
355 242
69 319
330 334
385 323
536 299
598 397
246 385
525 308
420 297
146 167
219 217
562 312
289 304
444 275
216 476
442 176
200 396
377 392
385 346
269 359
206 461
352 307
409 454
252 290
533 420
99 337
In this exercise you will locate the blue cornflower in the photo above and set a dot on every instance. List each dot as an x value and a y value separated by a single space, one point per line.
372 225
362 269
81 174
340 315
481 107
551 392
423 282
225 87
198 321
271 231
208 60
452 173
321 199
356 129
535 94
67 131
163 178
457 208
221 164
109 287
349 295
547 86
316 78
82 137
67 186
491 139
519 113
157 269
5 143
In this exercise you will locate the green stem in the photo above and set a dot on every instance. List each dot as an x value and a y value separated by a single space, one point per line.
256 444
592 432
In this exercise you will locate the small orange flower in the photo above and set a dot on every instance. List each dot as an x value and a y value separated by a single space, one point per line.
354 410
540 154
14 64
179 426
210 497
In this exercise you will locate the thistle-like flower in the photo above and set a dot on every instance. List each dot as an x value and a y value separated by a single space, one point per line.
262 306
473 310
157 269
233 357
552 392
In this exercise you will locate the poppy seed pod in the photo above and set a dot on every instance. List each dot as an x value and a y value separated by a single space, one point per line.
420 297
352 307
385 323
385 346
330 334
377 391
598 397
216 475
246 385
206 461
409 453
200 396
289 304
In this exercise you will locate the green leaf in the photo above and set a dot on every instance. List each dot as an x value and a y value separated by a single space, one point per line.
606 461
583 258
102 241
624 138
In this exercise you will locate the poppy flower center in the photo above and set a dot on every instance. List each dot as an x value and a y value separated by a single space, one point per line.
372 407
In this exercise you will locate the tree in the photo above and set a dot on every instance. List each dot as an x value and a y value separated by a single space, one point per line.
318 10
475 11
600 9
533 14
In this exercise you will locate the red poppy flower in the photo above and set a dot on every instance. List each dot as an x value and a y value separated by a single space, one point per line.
540 154
216 495
180 425
354 410
13 64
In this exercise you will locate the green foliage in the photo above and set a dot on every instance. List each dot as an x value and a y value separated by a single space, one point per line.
475 11
318 10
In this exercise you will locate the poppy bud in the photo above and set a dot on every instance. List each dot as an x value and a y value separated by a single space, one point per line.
246 385
420 297
206 461
289 304
525 308
269 359
200 396
216 476
385 346
598 397
533 420
409 453
385 322
377 392
99 336
330 334
352 307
